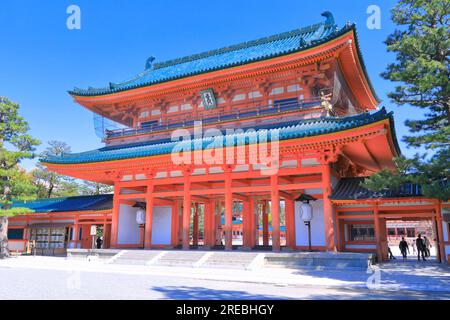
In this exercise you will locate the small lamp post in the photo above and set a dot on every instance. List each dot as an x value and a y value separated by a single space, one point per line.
306 214
140 220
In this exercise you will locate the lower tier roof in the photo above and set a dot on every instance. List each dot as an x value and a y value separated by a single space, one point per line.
286 131
351 189
66 204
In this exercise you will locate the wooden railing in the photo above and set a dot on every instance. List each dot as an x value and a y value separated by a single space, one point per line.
188 120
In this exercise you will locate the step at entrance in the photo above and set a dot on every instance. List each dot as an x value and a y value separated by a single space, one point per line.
180 258
136 257
235 260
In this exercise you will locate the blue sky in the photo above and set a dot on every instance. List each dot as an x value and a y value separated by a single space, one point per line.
40 58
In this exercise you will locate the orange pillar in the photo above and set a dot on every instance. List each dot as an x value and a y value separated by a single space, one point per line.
149 214
377 229
186 208
275 210
290 223
246 225
328 207
195 226
115 216
76 233
207 224
252 222
228 211
265 223
217 223
440 233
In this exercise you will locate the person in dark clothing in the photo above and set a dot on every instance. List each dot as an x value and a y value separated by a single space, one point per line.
420 247
404 248
391 256
99 243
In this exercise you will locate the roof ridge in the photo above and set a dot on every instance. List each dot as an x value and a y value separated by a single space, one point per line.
246 44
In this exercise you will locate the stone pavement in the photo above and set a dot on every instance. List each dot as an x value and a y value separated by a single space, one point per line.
399 276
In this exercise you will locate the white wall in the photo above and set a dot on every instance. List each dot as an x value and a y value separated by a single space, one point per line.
317 226
162 225
128 232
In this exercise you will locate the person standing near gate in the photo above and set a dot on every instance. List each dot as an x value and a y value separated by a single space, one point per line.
404 248
420 247
427 245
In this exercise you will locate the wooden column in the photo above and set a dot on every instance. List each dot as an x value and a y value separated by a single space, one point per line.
440 233
228 211
115 216
265 223
290 223
208 222
186 208
217 223
328 207
275 210
377 229
246 214
76 233
195 225
149 213
252 224
104 235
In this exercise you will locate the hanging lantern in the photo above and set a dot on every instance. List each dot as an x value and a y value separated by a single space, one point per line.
307 212
140 216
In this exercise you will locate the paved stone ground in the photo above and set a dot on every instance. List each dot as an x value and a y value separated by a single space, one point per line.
58 278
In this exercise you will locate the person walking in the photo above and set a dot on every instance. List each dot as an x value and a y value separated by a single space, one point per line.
427 245
420 247
99 243
391 256
404 248
413 245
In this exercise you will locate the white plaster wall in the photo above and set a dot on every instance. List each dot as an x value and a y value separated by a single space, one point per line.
128 232
317 226
162 225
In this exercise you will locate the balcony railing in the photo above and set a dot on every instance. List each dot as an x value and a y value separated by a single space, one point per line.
188 120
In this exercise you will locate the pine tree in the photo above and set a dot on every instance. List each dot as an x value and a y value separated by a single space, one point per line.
421 71
15 145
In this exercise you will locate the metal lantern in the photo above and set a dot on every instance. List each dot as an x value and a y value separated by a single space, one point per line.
307 212
140 216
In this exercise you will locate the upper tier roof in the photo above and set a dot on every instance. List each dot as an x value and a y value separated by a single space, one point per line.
292 130
79 203
235 55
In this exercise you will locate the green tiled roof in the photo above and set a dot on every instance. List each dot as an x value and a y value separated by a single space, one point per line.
247 52
291 130
79 203
351 189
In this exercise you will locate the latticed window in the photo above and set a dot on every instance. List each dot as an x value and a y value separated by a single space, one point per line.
362 232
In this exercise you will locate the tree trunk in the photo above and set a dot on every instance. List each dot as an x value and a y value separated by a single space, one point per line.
4 251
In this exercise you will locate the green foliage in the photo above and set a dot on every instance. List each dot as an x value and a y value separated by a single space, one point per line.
94 188
422 47
51 184
421 69
15 145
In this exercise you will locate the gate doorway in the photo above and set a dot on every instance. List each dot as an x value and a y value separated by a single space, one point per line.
408 229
